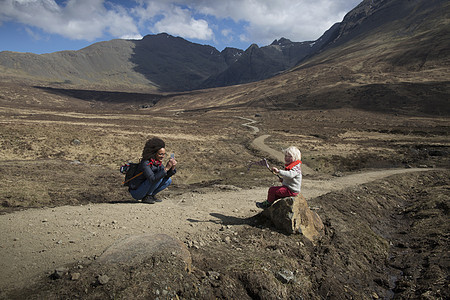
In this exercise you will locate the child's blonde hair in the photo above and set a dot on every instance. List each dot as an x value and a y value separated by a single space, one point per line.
293 152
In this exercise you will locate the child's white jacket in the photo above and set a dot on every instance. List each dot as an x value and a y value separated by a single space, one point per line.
293 178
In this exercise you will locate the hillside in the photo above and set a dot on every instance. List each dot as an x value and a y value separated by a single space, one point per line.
377 39
157 62
372 61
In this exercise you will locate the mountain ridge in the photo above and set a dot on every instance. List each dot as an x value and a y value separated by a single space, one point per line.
165 63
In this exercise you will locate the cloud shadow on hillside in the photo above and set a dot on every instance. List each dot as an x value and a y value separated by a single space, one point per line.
105 96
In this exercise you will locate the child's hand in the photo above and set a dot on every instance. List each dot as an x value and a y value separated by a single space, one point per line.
275 170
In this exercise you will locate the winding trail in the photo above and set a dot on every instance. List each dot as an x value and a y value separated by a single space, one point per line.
36 241
254 128
258 143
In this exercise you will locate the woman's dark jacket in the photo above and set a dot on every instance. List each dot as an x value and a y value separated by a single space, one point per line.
152 170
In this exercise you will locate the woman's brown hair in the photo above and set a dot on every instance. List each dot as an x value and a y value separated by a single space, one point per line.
151 147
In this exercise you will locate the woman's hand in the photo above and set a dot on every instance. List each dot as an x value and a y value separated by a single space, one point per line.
174 162
171 164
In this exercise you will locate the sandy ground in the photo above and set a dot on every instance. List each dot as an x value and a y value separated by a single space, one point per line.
36 241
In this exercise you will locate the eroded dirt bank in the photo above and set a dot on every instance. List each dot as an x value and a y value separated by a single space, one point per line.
384 238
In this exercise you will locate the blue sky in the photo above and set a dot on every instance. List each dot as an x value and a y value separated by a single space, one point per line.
44 26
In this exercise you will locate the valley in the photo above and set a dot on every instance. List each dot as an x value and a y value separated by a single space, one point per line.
63 203
367 104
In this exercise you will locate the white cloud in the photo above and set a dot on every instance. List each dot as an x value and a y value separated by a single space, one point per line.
131 37
298 20
255 21
78 19
179 21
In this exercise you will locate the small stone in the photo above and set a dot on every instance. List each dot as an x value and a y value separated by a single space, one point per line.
75 276
76 142
59 273
213 275
337 174
102 279
285 276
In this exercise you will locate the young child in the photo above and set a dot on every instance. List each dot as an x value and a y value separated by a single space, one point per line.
291 178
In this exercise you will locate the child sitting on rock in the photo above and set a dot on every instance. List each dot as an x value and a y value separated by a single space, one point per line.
291 178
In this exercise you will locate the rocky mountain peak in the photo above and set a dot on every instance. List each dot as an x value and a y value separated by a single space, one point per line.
281 42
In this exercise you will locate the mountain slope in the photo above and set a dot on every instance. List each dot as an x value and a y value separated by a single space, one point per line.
104 64
375 39
260 63
175 64
409 30
372 60
165 62
159 61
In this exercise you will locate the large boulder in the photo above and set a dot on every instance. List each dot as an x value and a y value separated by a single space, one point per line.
293 215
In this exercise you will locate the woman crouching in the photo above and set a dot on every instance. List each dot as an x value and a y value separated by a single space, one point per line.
155 176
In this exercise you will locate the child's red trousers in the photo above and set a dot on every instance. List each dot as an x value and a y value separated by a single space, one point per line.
277 192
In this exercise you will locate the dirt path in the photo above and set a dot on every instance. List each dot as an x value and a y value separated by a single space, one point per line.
249 124
37 241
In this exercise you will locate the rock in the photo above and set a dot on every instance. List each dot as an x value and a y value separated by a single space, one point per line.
135 249
292 215
59 273
213 275
76 142
338 174
102 279
75 276
285 276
